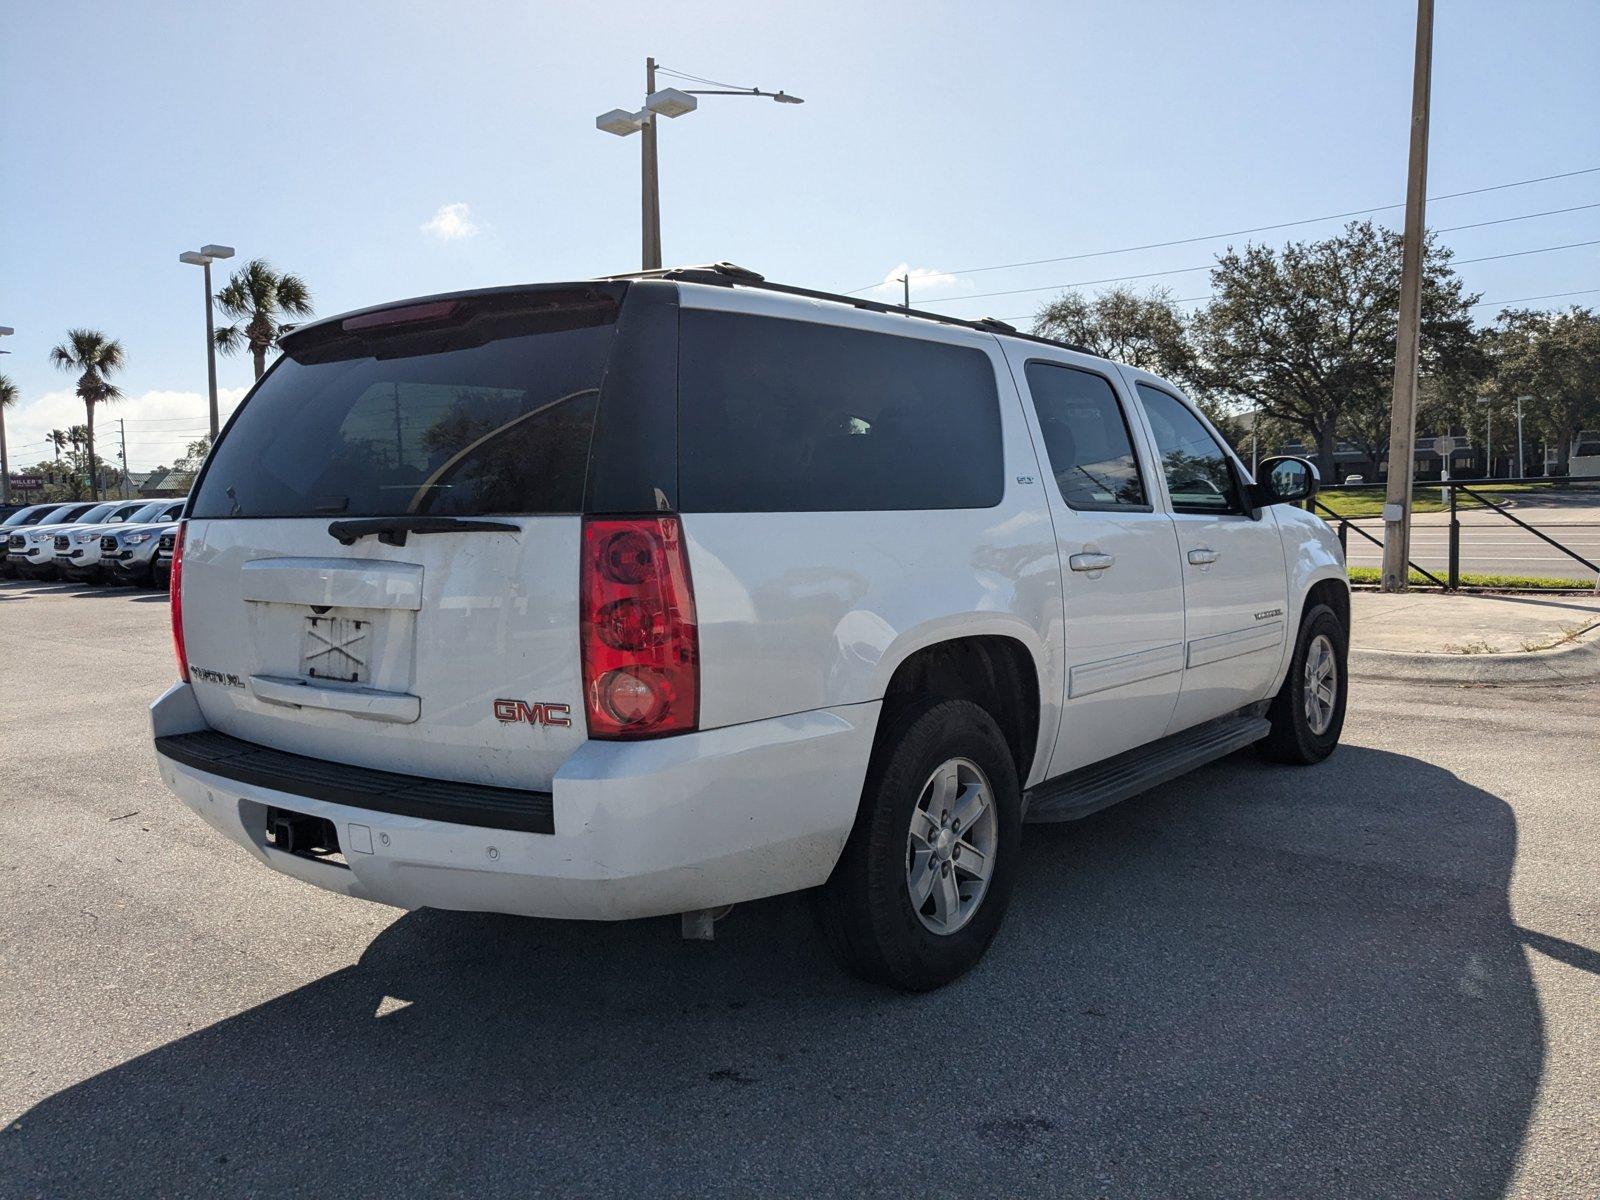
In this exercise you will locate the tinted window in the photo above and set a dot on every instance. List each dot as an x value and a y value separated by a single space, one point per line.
493 417
1199 475
1085 438
785 416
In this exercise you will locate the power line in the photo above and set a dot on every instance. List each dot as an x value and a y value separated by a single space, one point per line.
698 78
1209 266
1520 253
1480 304
1526 299
1524 217
1211 237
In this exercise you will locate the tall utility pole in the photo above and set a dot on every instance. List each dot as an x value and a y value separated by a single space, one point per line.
122 427
5 465
905 282
1403 413
650 178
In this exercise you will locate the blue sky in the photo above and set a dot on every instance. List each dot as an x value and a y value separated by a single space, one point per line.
327 137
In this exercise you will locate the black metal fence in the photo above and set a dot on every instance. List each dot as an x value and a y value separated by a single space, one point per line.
1476 490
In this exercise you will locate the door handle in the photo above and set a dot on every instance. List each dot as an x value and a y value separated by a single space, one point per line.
1091 561
1204 556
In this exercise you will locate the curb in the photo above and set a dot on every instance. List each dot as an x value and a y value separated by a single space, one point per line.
1579 662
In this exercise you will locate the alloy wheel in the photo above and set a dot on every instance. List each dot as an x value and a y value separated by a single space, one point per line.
950 846
1321 687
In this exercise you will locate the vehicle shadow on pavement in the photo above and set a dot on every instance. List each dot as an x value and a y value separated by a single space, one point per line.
1255 980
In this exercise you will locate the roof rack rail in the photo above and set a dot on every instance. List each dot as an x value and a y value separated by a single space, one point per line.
727 274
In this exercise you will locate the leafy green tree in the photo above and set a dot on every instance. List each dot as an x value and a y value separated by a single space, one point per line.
1146 330
8 399
94 356
195 455
256 299
1307 334
1554 358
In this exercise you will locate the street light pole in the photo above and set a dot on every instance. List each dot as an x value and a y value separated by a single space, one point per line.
5 465
650 178
204 257
668 102
1488 402
1521 468
1403 413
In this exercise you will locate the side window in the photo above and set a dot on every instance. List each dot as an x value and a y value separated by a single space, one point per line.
1086 438
787 416
1200 478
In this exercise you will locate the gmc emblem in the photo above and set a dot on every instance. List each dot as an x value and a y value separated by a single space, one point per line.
512 711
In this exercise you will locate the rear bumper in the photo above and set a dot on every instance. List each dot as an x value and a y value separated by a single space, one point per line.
640 829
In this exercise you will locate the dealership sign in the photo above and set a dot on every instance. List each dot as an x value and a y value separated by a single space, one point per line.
27 483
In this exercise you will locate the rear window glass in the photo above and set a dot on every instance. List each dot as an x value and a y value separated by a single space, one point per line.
786 416
447 422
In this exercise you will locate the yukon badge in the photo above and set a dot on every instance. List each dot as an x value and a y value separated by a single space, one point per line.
510 712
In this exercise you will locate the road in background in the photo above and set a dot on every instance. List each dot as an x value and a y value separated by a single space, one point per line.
1492 545
1376 977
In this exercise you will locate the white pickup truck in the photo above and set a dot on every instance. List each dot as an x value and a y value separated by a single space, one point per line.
652 594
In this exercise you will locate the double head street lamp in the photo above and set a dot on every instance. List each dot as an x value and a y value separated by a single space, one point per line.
204 257
667 102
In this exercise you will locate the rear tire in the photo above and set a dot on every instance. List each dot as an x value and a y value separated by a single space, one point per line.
902 908
1307 714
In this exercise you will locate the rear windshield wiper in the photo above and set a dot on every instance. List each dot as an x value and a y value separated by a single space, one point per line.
392 531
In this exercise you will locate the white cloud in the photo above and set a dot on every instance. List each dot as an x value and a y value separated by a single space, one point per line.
160 425
452 223
926 282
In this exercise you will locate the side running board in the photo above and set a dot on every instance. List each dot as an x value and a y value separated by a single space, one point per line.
1100 785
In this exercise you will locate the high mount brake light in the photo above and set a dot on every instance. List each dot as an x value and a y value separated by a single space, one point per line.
176 586
411 314
641 643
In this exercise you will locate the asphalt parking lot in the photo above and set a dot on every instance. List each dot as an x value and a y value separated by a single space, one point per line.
1377 977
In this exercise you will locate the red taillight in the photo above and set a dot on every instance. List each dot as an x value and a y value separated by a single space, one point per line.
176 583
641 645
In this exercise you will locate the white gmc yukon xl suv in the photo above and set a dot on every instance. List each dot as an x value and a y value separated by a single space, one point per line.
653 594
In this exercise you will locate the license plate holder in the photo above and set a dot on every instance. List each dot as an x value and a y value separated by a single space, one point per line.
336 648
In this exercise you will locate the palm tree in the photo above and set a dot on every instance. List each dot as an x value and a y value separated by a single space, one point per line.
58 439
8 398
94 356
256 299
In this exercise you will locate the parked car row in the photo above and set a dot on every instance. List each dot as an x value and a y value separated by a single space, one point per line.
115 541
